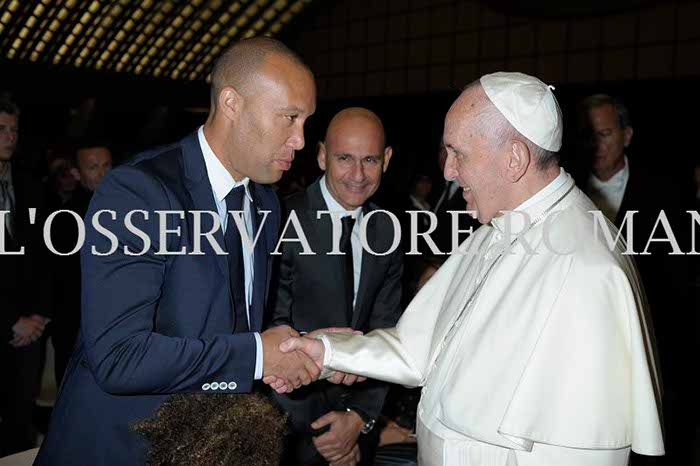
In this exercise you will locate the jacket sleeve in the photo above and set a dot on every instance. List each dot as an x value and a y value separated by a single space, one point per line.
121 298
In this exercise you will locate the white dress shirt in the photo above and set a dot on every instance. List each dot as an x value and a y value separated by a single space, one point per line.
607 195
334 206
222 183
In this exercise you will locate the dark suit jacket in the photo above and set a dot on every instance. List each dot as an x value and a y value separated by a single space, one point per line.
24 280
66 272
666 278
153 325
309 292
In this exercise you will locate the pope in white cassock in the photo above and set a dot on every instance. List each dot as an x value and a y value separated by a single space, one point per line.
530 343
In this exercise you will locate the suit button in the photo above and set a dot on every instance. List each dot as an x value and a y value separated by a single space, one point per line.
215 385
232 385
222 385
206 386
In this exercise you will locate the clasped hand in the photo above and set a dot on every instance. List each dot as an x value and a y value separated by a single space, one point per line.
298 360
27 330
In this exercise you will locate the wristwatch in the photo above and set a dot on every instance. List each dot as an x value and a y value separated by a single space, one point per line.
369 422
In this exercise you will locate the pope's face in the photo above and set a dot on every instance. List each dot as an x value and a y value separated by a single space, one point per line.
472 160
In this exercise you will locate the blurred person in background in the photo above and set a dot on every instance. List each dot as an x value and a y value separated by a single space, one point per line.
24 291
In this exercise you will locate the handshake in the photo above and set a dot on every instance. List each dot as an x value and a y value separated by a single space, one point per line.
291 360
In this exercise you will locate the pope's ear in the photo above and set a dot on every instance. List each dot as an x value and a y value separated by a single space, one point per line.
388 152
518 160
321 155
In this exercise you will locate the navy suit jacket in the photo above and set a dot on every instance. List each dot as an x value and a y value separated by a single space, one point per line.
154 324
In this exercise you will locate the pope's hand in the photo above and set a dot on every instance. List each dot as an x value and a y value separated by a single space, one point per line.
293 368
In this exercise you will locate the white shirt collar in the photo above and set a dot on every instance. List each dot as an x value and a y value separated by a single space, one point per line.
617 181
333 205
553 185
221 180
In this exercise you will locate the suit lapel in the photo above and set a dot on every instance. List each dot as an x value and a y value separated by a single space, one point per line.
199 187
368 265
321 241
260 262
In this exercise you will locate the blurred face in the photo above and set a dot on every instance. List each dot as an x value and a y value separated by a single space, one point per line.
93 165
423 187
354 158
269 125
609 141
472 160
66 181
8 136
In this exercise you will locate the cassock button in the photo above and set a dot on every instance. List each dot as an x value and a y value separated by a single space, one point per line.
206 386
232 385
215 385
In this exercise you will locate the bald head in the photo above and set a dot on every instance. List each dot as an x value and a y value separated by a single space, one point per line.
354 156
239 65
356 121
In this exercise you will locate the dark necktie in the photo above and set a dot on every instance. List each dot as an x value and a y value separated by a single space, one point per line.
6 204
346 247
234 201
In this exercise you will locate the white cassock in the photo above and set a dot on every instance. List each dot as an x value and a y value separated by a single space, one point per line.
525 359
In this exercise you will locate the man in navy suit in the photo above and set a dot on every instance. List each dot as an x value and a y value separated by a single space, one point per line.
171 302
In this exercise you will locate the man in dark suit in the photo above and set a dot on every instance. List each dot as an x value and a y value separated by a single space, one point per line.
171 303
24 294
92 162
355 289
632 195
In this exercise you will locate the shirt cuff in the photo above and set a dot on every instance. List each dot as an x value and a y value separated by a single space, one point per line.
258 357
327 354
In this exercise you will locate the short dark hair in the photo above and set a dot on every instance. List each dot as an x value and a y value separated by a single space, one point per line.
90 143
238 64
8 106
600 100
207 429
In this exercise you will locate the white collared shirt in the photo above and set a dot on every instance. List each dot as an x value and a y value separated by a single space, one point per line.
607 195
334 206
222 183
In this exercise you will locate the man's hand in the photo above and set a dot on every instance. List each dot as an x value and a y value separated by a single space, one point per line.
351 459
27 330
315 350
20 342
291 369
337 444
394 433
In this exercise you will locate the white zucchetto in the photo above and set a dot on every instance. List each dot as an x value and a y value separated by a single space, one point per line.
528 104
